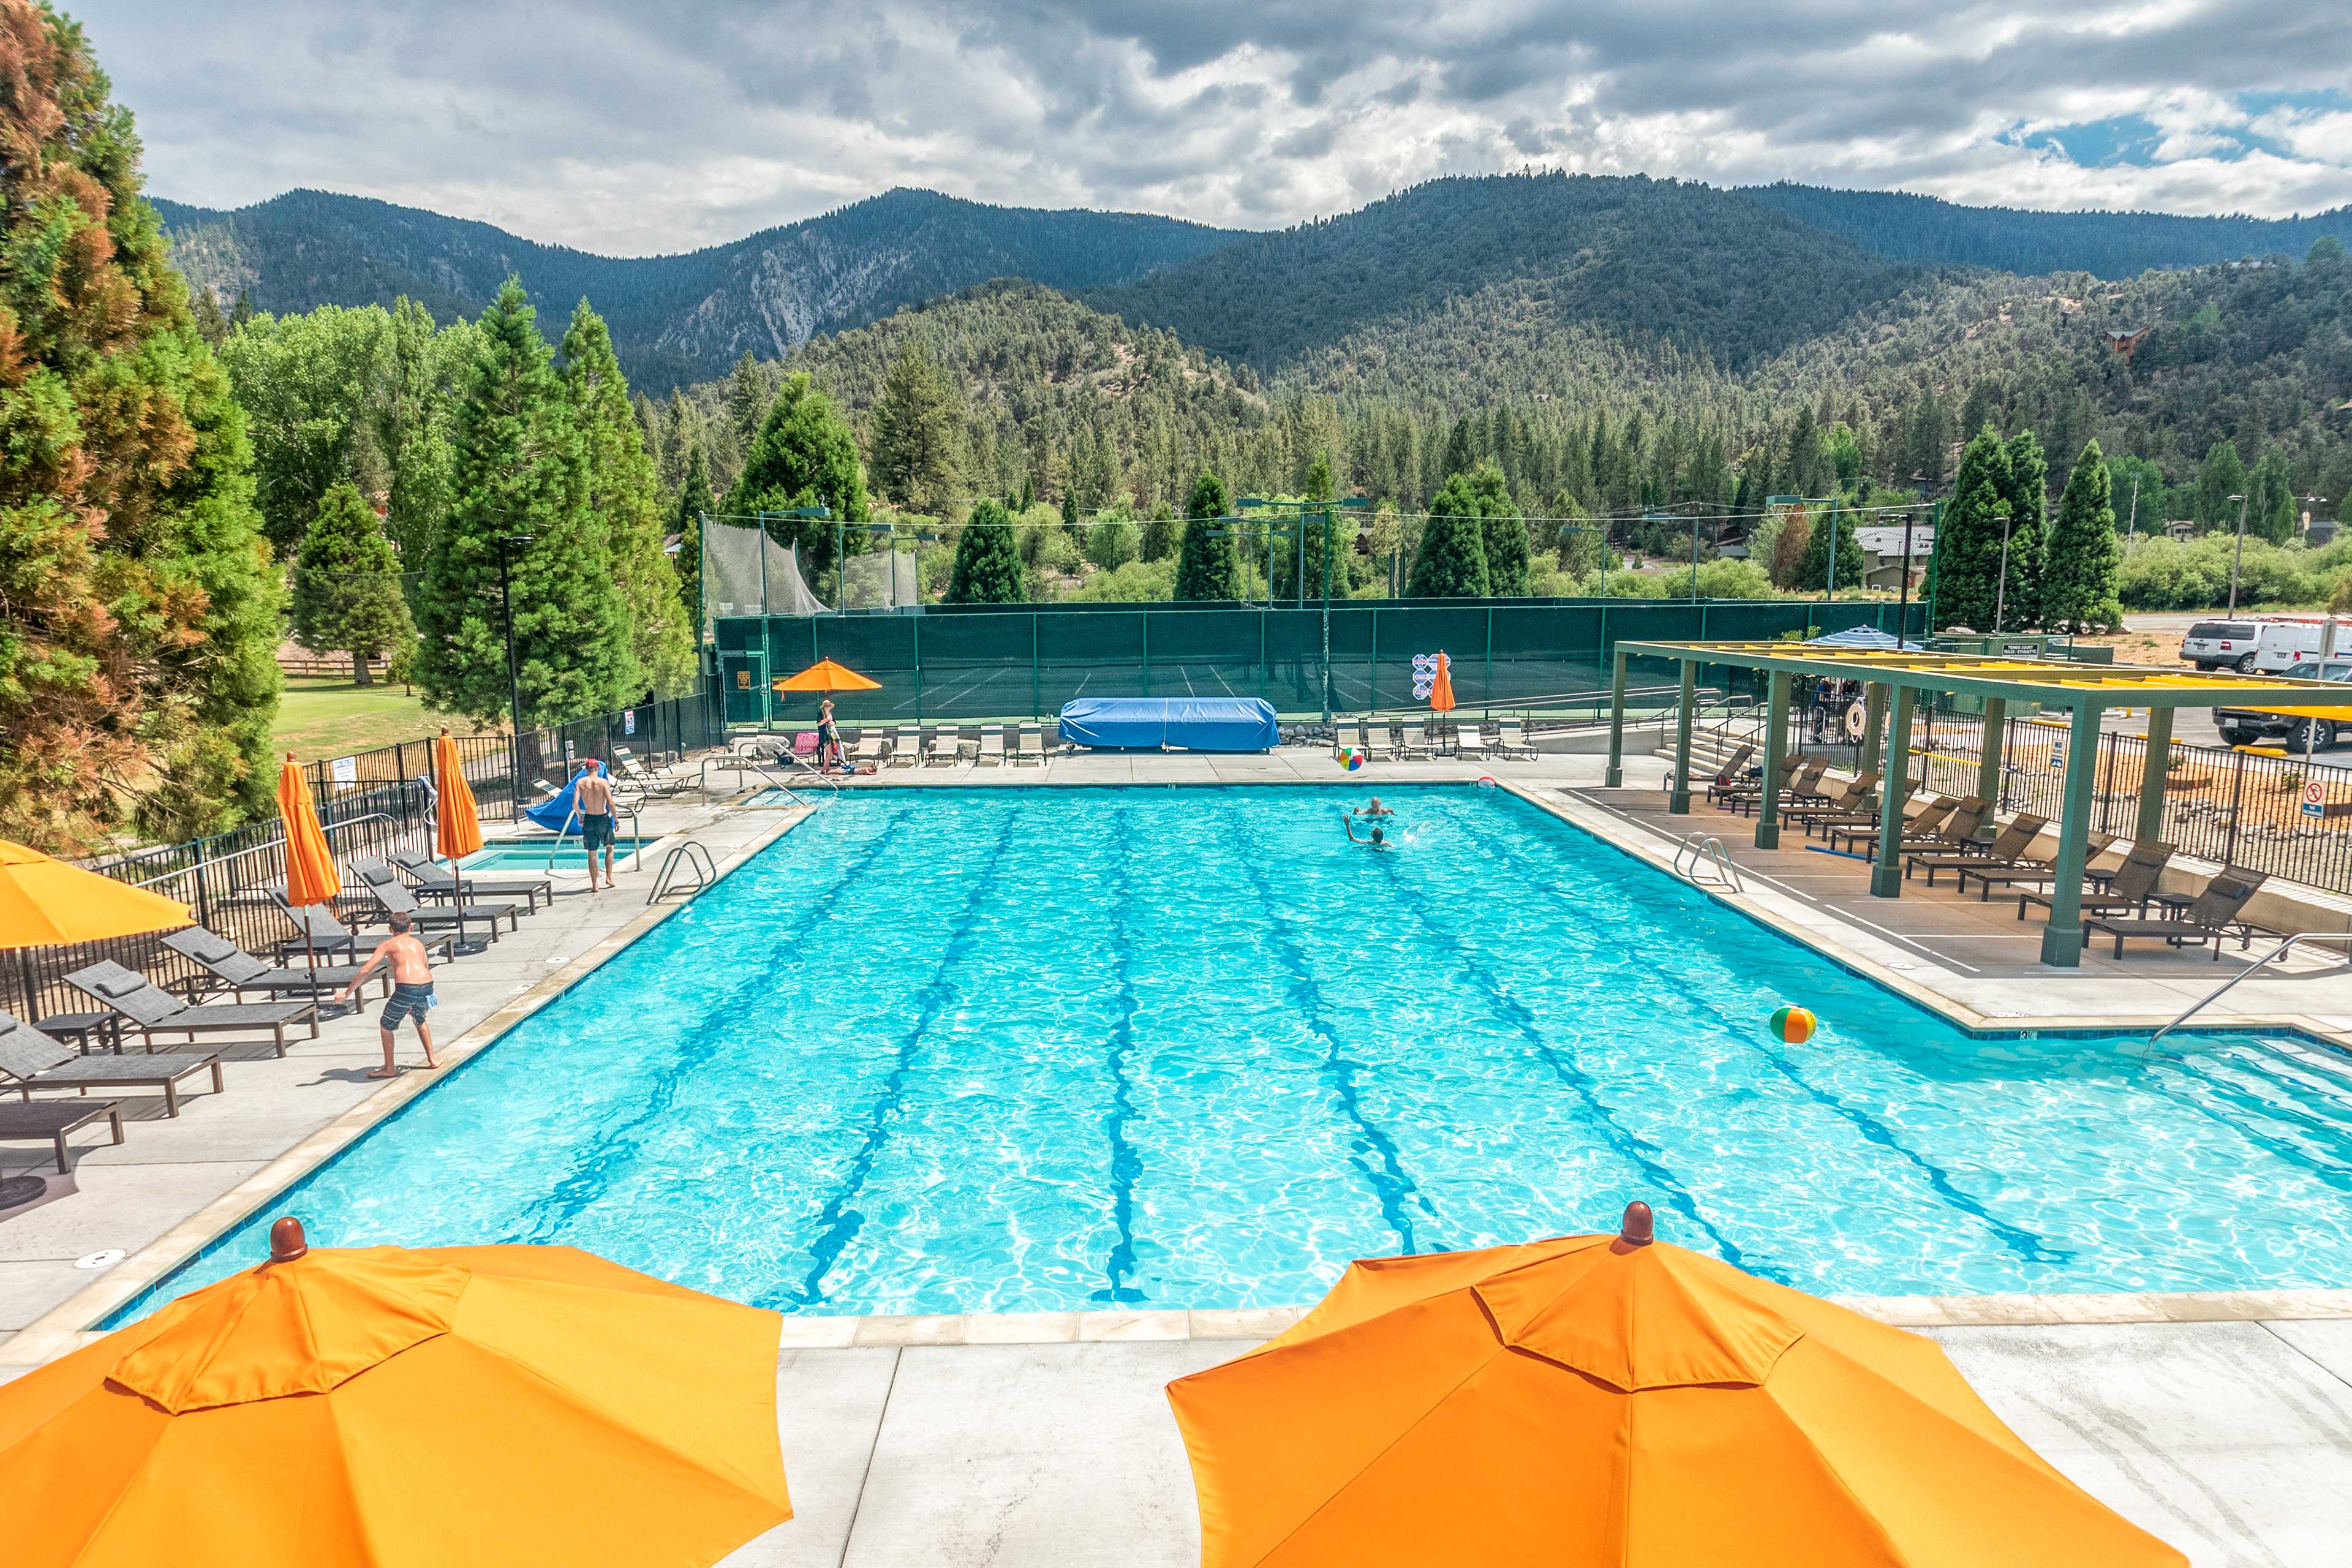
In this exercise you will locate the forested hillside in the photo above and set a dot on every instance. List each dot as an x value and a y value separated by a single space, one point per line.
1906 228
673 317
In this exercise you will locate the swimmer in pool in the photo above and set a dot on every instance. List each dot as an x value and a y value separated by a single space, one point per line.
1375 809
1378 839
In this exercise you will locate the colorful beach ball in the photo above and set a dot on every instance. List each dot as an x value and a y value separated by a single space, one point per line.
1793 1025
1353 757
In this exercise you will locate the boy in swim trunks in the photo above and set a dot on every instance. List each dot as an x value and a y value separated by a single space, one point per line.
412 990
1379 841
592 798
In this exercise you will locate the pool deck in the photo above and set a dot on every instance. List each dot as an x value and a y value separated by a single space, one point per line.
2222 1421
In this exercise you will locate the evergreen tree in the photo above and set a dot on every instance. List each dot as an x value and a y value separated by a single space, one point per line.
1159 533
2270 510
805 456
211 325
2078 584
693 501
1966 563
625 500
2027 491
987 560
2220 477
1812 574
519 471
1483 493
140 613
748 397
1452 561
1070 511
241 311
424 374
915 428
1207 566
346 589
1582 549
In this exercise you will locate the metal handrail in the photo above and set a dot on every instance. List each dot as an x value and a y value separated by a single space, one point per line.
1703 849
275 844
621 810
696 858
736 764
2278 951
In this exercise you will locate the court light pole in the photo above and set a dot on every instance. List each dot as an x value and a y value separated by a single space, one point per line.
507 542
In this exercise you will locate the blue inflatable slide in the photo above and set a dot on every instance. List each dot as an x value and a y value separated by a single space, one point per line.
1171 723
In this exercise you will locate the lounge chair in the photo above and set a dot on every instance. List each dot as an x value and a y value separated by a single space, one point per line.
1380 741
155 1011
316 933
240 971
435 881
870 751
2211 916
1734 777
1469 741
1843 800
1957 833
992 746
34 1061
1416 740
947 747
906 751
1512 741
2004 851
628 770
1804 784
2128 892
1930 813
49 1121
1029 746
2027 870
393 897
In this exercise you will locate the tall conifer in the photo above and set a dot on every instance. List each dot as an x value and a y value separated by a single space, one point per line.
346 585
987 560
1207 566
2078 585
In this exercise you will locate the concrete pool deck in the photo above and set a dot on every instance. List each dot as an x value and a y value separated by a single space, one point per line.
2222 1421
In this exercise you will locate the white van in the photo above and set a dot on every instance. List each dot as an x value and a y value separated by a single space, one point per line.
2265 643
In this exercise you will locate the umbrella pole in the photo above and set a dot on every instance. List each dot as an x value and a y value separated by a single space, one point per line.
465 947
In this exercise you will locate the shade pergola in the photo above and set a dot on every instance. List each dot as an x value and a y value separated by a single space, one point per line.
2084 691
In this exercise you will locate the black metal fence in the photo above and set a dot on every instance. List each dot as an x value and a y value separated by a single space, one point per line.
368 803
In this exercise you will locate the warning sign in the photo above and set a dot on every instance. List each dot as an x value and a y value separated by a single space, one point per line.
2313 802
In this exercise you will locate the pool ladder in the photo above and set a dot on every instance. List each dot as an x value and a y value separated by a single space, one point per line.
2280 951
691 859
1704 852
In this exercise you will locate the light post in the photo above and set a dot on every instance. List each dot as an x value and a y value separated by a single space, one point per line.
2238 555
506 542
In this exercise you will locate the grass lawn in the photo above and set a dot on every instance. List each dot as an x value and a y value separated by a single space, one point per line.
322 716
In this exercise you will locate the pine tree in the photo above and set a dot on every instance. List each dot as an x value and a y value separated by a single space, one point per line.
1582 549
987 560
426 368
1070 511
140 612
805 456
916 426
1483 493
1966 563
2220 477
211 325
241 311
1452 561
2027 491
694 502
518 471
1159 533
748 397
1207 567
625 500
2078 585
2270 510
1812 574
346 588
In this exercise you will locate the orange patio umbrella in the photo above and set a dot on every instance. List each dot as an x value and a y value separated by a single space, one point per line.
507 1406
1441 687
456 823
826 675
1610 1399
311 875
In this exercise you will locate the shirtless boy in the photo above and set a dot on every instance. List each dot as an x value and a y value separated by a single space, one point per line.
412 990
592 798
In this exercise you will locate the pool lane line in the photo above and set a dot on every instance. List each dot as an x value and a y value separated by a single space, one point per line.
2024 1243
597 1162
1392 1187
1629 1145
1126 1164
840 1223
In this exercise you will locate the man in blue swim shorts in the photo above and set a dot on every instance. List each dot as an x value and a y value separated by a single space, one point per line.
412 990
592 796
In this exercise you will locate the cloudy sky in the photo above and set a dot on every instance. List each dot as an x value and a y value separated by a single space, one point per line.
631 128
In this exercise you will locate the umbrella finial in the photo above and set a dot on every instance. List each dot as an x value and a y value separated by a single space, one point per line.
287 1241
1636 1231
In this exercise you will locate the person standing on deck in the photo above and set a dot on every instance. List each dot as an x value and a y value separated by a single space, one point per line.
412 990
591 798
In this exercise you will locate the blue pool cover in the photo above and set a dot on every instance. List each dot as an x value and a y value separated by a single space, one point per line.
1185 723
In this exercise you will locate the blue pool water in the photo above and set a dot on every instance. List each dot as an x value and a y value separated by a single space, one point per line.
1001 1050
518 858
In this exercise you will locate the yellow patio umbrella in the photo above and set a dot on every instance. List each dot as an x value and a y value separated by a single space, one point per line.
311 875
1612 1399
493 1405
1441 687
456 822
826 675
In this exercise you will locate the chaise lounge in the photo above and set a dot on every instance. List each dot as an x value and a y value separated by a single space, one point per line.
154 1010
240 972
32 1060
2213 916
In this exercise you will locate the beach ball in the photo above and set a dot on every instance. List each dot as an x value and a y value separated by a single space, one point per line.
1352 758
1793 1025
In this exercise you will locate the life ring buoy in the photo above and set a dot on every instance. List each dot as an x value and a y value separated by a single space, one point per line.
1857 721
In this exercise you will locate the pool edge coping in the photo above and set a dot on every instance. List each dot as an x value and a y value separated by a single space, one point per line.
71 1323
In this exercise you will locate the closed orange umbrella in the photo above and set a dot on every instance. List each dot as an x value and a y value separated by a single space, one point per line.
457 821
494 1406
311 876
1608 1399
826 675
1441 687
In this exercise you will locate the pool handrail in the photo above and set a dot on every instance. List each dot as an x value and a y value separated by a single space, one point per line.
2279 952
697 860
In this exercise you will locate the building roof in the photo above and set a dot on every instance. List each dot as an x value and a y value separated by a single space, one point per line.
1881 540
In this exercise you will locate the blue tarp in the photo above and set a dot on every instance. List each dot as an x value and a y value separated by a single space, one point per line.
551 814
1182 723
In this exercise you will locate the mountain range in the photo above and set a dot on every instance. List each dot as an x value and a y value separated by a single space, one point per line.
1725 278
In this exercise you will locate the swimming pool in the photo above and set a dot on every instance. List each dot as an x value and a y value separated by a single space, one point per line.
1028 1049
534 856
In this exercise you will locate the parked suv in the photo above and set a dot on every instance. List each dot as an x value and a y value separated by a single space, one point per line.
2246 727
2265 643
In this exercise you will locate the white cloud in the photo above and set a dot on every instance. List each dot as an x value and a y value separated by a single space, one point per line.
633 128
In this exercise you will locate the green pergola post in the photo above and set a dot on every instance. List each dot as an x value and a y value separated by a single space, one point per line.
1989 756
1776 744
1615 777
1874 721
2062 938
1678 799
1886 875
2152 774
